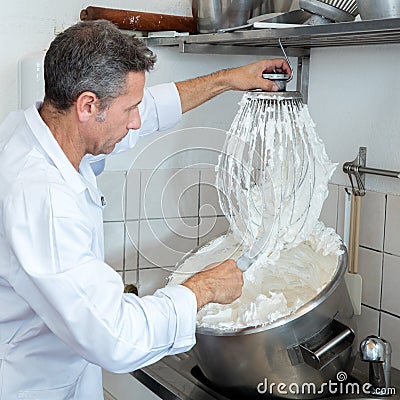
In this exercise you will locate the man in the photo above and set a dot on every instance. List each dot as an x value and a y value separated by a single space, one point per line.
63 311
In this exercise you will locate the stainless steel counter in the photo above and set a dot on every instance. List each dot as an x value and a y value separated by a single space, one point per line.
179 378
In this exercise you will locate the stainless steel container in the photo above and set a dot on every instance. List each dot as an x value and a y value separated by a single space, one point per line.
261 7
211 15
378 9
301 352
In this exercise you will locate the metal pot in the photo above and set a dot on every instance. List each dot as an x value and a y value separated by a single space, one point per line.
378 9
305 349
271 7
211 15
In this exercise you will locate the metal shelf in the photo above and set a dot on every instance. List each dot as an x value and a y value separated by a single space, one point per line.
298 40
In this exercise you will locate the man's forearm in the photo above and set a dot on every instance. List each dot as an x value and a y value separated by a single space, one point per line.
199 90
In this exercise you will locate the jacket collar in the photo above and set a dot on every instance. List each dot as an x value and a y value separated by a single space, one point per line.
53 150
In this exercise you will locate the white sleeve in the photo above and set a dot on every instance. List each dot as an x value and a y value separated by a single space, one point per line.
159 110
78 296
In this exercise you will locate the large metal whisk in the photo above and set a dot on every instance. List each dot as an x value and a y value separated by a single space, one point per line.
267 173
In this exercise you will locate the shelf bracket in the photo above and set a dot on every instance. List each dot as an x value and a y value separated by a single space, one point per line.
303 76
352 169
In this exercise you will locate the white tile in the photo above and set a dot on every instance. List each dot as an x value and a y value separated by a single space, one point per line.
164 242
131 277
111 183
114 244
391 284
131 245
209 202
368 323
372 220
390 331
370 269
329 210
169 193
211 227
152 279
132 194
392 237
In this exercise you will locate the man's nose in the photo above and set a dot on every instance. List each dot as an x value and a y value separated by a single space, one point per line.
134 119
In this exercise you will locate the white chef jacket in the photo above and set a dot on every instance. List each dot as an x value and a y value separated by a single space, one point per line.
63 313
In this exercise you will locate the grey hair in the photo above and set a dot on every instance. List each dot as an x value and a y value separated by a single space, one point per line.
92 56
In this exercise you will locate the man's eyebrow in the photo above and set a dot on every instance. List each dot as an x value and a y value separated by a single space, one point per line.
134 106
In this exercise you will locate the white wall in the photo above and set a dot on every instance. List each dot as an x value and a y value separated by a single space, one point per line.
28 26
355 101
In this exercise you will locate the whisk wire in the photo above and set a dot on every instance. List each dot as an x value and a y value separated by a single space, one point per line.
267 172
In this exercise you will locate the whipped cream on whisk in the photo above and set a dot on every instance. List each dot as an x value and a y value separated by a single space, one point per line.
273 174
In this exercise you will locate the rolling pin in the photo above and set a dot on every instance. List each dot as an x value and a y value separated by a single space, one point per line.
140 21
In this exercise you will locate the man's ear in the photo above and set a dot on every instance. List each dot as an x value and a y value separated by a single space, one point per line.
86 106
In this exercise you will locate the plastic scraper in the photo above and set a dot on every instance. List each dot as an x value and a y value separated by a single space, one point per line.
245 261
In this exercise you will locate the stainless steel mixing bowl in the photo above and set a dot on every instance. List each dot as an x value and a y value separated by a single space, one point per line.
378 9
306 349
212 15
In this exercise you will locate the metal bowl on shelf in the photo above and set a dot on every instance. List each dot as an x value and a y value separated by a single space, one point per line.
212 15
378 9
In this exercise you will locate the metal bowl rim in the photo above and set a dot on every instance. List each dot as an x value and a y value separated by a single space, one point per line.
304 309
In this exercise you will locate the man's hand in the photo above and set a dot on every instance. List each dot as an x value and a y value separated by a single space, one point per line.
250 76
218 283
197 91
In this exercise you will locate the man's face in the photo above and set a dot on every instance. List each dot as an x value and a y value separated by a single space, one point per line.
112 125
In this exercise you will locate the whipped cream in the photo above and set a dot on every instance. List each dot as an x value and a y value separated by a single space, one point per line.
272 289
273 174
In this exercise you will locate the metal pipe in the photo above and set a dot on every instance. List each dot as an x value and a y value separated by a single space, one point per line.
348 167
378 171
331 344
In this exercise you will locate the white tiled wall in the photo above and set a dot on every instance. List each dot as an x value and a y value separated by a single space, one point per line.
379 262
391 283
163 242
170 212
154 217
370 269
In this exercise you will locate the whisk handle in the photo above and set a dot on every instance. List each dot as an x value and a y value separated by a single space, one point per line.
244 261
